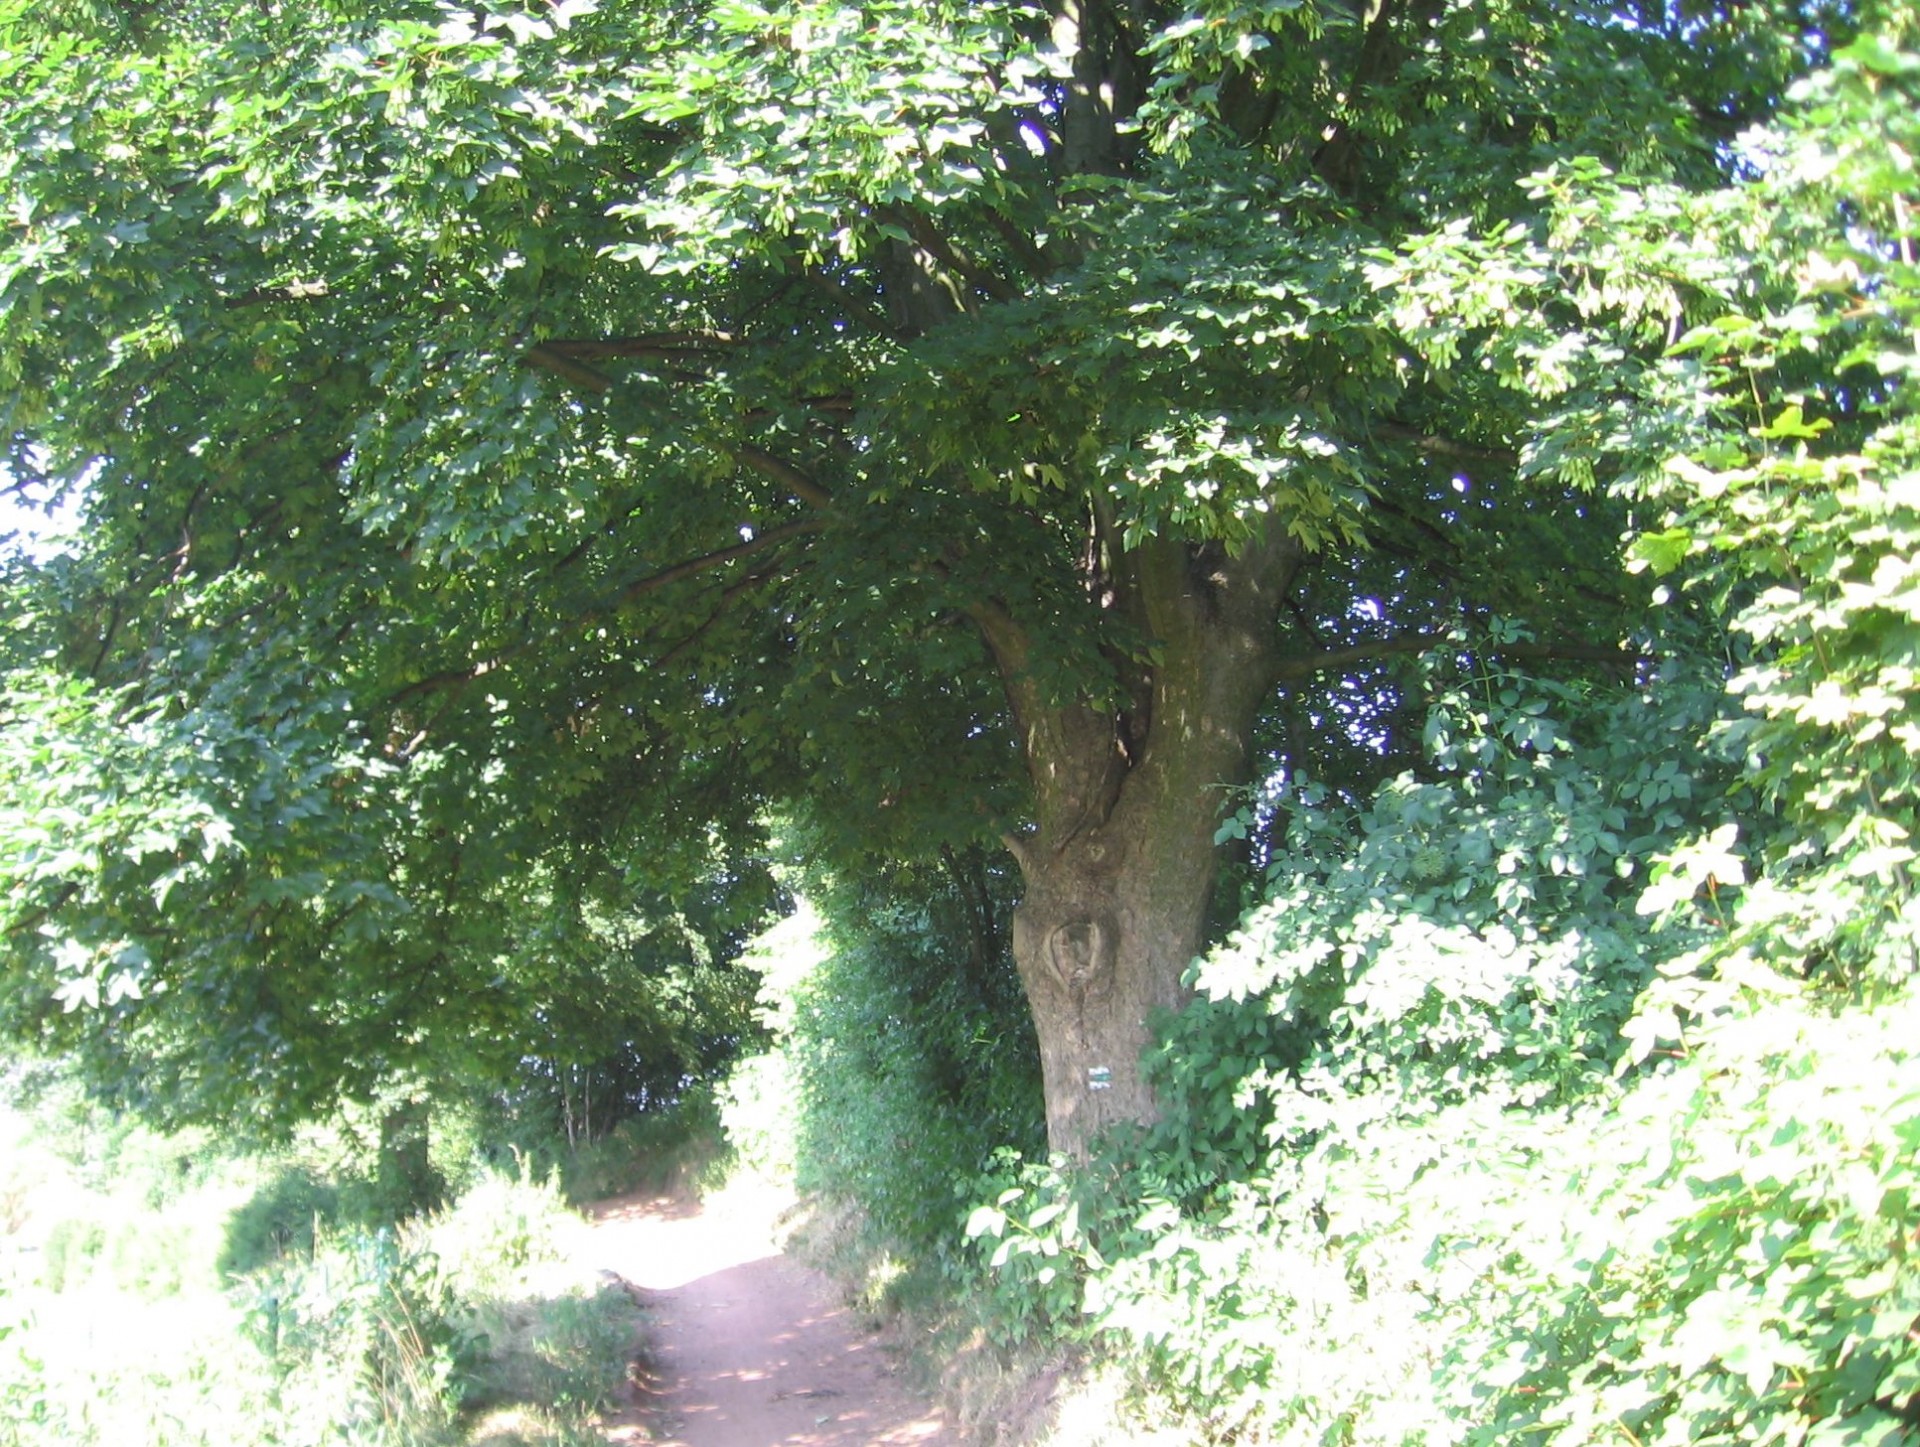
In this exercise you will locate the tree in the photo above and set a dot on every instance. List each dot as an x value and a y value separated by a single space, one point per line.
527 440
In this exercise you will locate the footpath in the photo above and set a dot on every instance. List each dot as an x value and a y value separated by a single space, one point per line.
743 1346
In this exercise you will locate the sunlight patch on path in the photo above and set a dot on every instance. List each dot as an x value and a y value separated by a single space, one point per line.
747 1348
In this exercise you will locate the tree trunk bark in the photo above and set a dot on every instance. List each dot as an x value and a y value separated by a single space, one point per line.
1102 941
1119 868
405 1181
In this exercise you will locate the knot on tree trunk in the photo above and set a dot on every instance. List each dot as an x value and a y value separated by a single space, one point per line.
1080 954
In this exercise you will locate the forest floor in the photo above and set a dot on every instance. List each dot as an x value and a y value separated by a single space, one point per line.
743 1346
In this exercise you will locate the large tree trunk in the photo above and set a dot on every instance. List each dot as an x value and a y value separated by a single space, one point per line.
1119 869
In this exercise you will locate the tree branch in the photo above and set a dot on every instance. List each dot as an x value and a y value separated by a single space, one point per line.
727 597
936 244
585 545
562 359
652 346
692 567
555 358
33 919
289 291
838 404
1449 544
1030 256
636 589
446 678
1302 621
1337 159
1435 446
782 472
579 373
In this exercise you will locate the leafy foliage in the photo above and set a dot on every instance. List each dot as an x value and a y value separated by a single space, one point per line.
1747 1279
910 1054
1427 1207
1467 933
1769 453
1565 1091
519 448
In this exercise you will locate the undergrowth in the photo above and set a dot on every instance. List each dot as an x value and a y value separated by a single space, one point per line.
1488 1127
156 1292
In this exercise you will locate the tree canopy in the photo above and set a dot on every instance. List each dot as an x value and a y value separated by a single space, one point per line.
525 444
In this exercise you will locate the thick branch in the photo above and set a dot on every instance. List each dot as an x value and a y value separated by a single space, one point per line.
587 544
784 473
1448 543
569 358
446 678
1104 88
854 310
1337 159
550 357
579 373
833 404
1008 643
1301 620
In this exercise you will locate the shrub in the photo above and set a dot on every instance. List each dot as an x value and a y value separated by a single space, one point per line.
382 1338
283 1217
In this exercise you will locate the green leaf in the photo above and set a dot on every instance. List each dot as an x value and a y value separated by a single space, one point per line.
1662 552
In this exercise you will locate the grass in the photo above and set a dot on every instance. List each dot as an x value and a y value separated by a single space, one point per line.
123 1321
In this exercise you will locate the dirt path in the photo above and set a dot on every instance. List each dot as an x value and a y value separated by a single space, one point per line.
748 1348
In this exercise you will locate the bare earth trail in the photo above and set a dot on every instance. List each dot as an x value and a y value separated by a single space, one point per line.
747 1348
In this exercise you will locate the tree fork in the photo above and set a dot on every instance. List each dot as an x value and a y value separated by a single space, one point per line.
1120 869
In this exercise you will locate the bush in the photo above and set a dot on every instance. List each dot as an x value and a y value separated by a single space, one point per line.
1485 1132
501 1231
1462 941
1748 1276
371 1335
913 1056
69 1252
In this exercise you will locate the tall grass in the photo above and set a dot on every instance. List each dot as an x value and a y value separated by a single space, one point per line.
123 1318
